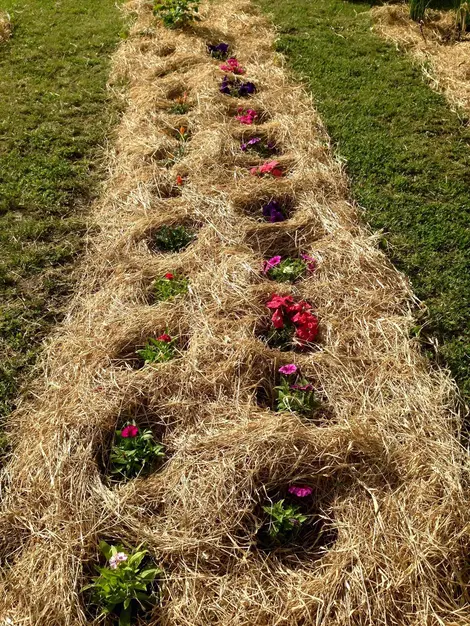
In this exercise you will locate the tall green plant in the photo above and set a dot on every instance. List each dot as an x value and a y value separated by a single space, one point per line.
462 16
418 9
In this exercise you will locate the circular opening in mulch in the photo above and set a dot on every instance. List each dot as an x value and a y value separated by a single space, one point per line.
97 583
165 50
152 351
296 522
152 427
284 339
271 209
171 238
258 144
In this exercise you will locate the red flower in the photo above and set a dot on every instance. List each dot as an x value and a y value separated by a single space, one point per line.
277 302
129 431
306 325
179 180
169 276
164 337
277 319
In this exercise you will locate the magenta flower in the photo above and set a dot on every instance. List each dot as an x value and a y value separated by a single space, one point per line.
232 65
307 387
288 369
272 262
311 262
129 431
301 491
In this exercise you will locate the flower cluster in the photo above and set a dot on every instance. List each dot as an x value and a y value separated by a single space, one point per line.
259 146
236 88
274 211
181 105
117 558
269 168
295 393
247 116
288 269
295 320
301 491
218 51
232 65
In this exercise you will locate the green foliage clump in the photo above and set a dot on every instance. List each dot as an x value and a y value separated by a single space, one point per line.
124 585
173 238
166 288
177 13
133 451
284 521
158 350
298 397
418 9
288 271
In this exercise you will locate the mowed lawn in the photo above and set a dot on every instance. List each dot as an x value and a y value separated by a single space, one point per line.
55 112
407 154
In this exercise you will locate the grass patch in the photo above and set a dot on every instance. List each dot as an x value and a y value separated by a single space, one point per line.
407 155
54 114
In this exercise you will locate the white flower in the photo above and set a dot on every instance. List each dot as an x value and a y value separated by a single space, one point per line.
120 557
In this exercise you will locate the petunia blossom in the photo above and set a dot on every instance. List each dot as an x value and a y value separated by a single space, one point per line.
164 337
307 387
232 65
277 302
218 51
129 431
288 369
277 319
310 261
301 491
169 276
247 117
270 263
273 211
270 167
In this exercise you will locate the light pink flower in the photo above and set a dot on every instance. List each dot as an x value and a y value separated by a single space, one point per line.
290 368
114 561
301 491
272 262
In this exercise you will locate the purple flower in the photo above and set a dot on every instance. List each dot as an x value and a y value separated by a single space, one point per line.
246 89
251 142
272 262
218 51
273 211
288 369
225 86
301 491
311 262
236 87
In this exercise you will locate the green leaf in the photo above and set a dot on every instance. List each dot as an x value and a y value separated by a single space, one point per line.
105 550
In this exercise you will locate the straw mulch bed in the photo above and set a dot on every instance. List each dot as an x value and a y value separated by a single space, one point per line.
444 59
385 463
5 26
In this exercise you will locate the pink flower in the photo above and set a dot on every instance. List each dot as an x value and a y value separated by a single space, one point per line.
290 368
301 491
272 262
307 387
114 561
232 65
277 319
169 276
129 431
246 117
166 338
277 302
270 167
311 262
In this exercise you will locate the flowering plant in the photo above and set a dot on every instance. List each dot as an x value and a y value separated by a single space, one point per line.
218 51
169 286
288 270
124 585
295 393
133 451
259 146
284 521
182 135
294 323
236 88
247 116
270 167
158 350
232 65
172 238
181 106
177 13
274 211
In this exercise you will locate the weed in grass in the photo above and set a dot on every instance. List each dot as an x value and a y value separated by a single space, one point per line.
125 585
158 350
177 13
133 452
172 238
169 286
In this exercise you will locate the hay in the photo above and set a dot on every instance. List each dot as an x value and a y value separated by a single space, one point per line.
445 61
5 27
385 463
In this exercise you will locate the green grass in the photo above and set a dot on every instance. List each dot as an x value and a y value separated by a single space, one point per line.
407 154
54 114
